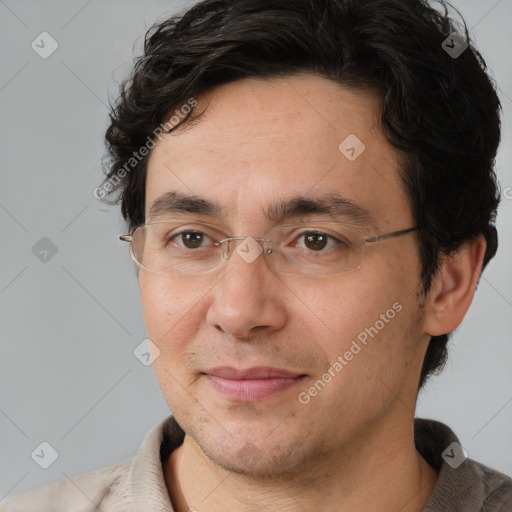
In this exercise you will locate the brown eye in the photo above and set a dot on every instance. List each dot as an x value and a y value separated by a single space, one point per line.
315 241
190 239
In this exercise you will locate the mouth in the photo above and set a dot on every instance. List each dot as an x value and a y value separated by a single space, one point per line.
251 384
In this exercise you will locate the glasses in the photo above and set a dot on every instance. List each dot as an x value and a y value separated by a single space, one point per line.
316 249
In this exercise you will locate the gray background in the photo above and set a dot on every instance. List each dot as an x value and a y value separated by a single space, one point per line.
68 375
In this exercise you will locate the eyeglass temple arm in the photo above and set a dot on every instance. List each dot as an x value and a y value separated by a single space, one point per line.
126 238
377 238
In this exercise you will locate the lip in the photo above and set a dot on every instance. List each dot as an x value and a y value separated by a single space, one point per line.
251 384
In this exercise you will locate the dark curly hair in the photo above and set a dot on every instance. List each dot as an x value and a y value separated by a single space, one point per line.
442 113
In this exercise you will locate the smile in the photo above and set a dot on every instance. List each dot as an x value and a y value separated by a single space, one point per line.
252 384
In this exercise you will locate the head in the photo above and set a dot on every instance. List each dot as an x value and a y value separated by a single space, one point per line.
259 95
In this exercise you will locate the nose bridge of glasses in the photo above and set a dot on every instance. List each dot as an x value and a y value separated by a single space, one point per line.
227 246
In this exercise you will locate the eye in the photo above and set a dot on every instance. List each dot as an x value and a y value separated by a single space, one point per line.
317 241
189 239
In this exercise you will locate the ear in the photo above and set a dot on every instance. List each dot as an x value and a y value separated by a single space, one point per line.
453 287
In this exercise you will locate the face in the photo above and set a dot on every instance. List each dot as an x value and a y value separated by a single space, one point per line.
331 358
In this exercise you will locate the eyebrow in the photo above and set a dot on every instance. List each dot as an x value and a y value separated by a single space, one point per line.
332 205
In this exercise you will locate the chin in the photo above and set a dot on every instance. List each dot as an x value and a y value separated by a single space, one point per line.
252 463
262 459
251 444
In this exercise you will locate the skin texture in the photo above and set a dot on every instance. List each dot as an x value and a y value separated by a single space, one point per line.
351 447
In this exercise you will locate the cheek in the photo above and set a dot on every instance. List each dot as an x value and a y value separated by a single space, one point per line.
170 314
157 305
370 323
172 319
342 307
370 360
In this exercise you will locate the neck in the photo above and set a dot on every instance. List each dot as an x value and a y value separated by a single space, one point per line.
379 471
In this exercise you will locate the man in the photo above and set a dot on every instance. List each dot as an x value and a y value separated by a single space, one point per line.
310 193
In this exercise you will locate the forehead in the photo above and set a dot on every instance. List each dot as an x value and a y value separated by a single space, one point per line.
262 141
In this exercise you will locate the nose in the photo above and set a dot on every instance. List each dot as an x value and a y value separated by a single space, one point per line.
249 298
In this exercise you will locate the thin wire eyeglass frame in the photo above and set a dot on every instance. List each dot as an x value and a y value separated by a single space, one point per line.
129 238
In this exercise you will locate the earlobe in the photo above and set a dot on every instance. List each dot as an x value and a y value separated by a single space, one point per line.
453 287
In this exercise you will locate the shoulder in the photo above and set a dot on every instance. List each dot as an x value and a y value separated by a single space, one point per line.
462 484
497 488
101 489
126 486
